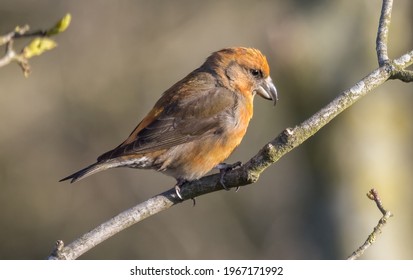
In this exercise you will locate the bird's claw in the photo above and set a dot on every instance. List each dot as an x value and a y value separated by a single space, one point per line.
179 184
178 191
223 169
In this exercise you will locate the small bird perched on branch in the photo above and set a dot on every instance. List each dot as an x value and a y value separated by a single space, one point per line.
198 122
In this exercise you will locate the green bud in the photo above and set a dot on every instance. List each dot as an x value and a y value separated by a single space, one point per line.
60 26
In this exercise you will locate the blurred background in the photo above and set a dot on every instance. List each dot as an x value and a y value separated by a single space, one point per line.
115 60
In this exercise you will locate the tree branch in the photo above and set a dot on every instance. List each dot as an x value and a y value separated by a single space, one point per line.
249 173
401 73
373 195
7 40
381 43
36 47
383 31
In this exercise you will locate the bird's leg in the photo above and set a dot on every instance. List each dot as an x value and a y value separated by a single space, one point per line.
223 169
178 186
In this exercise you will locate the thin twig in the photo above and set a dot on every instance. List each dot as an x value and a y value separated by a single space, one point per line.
11 35
8 40
35 47
373 195
38 33
11 55
383 32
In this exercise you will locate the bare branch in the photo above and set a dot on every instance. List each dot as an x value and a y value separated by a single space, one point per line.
383 31
373 195
17 31
7 40
381 44
9 56
402 74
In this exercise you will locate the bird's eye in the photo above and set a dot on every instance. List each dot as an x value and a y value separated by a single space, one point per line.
256 73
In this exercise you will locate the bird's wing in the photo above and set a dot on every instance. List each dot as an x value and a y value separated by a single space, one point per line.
198 115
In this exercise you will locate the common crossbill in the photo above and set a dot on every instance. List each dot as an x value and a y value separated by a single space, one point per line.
198 122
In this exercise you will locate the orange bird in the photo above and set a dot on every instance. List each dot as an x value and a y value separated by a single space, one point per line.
198 122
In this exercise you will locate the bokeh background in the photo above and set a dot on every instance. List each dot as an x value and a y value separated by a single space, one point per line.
113 63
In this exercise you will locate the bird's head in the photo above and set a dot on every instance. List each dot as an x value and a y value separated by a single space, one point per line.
243 70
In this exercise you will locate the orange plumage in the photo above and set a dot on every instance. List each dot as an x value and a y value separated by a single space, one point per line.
198 122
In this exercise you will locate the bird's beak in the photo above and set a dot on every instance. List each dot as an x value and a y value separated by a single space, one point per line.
267 90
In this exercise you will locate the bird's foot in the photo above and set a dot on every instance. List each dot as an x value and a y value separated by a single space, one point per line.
223 169
178 191
178 186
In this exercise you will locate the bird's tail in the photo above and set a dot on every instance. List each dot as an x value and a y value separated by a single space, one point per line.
91 169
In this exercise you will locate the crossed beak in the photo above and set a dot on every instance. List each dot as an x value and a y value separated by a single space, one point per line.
267 90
